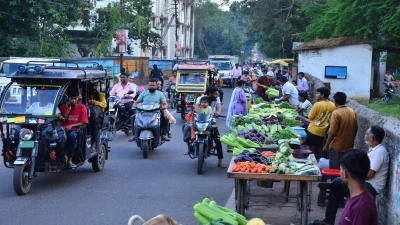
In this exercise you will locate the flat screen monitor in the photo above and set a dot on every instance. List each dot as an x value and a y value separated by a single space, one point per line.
338 72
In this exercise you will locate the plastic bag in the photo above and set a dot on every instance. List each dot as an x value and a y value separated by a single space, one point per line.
169 117
323 163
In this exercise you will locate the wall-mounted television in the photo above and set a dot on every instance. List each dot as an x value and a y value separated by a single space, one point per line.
338 72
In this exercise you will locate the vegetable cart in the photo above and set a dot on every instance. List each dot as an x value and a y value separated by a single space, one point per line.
241 180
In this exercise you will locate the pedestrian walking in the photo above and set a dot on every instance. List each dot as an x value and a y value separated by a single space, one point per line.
238 103
235 74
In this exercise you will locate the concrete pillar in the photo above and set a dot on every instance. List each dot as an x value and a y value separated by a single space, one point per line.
382 71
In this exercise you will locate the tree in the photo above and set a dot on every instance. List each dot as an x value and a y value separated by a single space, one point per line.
216 31
37 27
274 24
137 17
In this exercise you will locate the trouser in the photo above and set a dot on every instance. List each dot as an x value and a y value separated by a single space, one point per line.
163 125
215 136
94 129
234 80
337 192
72 137
334 159
128 106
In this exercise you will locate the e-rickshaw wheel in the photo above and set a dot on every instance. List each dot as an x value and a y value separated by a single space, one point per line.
21 182
100 159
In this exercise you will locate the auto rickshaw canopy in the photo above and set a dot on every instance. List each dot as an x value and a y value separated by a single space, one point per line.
193 78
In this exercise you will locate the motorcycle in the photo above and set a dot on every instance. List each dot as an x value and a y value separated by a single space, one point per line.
147 127
388 93
172 95
118 116
203 146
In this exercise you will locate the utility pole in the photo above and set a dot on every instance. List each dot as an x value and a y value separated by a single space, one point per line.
121 55
176 29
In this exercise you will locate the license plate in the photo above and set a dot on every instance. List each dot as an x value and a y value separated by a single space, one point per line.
26 144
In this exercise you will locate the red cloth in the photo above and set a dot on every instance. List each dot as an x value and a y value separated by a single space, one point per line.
76 115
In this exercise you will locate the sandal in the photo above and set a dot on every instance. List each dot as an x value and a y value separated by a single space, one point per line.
93 151
317 222
132 139
221 165
71 165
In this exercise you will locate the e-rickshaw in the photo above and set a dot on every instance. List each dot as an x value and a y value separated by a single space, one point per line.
191 82
31 132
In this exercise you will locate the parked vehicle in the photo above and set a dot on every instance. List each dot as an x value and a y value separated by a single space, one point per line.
147 127
224 64
203 146
33 141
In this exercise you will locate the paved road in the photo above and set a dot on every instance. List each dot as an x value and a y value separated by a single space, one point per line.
166 182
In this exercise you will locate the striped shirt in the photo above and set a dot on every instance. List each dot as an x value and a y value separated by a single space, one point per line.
306 106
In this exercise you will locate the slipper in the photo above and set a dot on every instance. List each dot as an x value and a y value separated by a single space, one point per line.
132 139
221 165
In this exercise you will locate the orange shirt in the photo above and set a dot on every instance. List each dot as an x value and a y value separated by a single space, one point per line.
343 126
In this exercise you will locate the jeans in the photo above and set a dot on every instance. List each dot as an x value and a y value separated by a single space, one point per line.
337 192
334 159
215 136
72 137
128 106
94 129
234 80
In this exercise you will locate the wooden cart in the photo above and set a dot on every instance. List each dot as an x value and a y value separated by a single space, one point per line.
241 180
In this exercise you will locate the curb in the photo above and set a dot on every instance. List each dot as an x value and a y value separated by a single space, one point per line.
230 204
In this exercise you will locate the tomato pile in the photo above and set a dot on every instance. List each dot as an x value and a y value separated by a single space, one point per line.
268 154
251 167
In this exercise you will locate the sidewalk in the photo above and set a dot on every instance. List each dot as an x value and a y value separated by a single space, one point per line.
276 211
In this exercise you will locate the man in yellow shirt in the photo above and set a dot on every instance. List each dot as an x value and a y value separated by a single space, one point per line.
319 121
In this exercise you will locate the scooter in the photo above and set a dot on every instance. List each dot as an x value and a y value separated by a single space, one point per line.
147 127
202 146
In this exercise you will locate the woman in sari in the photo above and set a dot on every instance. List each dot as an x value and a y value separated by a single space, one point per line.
238 103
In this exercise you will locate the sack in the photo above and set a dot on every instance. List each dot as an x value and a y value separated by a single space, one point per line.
169 117
95 111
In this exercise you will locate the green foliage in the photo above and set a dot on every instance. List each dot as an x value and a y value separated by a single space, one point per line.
388 108
371 20
37 28
216 31
274 25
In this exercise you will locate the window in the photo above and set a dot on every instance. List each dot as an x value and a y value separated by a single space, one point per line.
164 52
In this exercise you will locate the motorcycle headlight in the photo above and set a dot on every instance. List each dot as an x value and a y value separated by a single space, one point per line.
201 126
25 134
173 87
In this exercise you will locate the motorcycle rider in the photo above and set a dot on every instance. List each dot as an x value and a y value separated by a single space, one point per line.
215 103
153 95
156 73
121 89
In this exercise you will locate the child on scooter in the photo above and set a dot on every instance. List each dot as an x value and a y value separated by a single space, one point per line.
204 107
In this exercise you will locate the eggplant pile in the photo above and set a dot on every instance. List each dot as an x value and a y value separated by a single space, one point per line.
255 136
255 156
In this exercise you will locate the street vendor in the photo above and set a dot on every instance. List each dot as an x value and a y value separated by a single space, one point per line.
263 83
289 92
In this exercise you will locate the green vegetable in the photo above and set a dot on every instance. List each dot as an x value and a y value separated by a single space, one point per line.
291 122
206 211
201 219
259 100
272 92
283 134
285 105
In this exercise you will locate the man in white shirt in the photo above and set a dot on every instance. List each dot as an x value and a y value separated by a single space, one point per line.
235 74
376 178
289 92
44 106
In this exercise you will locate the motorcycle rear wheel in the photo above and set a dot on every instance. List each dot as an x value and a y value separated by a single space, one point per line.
200 157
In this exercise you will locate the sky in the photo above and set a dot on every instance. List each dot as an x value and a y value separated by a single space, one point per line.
225 7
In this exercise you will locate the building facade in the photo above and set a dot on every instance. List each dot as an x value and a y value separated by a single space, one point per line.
163 22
